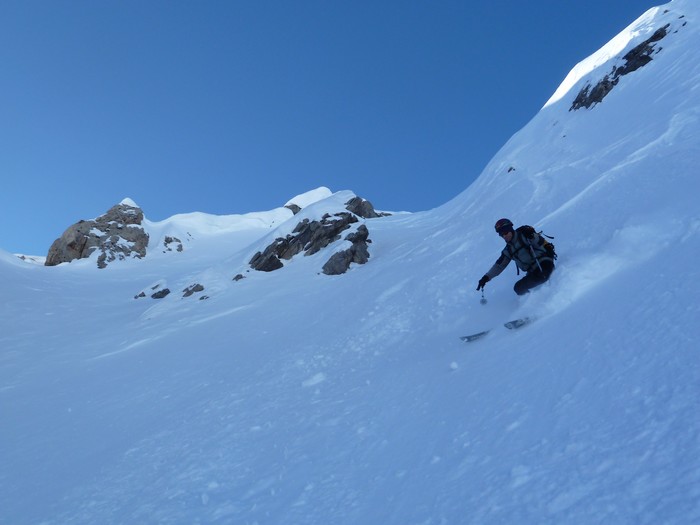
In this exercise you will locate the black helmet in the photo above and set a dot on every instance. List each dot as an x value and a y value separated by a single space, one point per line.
503 226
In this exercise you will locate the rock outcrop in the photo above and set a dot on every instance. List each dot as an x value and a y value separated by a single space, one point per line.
117 235
310 237
193 289
172 243
293 208
637 57
357 253
363 208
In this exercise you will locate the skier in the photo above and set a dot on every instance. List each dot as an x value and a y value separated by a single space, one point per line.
531 253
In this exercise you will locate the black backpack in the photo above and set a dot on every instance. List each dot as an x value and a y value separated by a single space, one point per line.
528 232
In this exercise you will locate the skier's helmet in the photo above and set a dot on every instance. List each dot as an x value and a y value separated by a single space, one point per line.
503 226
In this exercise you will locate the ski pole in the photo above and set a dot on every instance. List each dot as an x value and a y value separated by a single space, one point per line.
483 299
532 251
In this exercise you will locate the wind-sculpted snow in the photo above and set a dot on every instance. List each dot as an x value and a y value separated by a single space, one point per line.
294 397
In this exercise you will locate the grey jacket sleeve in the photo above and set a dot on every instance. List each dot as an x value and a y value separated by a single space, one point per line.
501 263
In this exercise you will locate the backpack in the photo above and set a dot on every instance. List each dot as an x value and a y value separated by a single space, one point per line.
529 232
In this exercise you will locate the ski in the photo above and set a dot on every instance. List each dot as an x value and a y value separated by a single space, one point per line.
474 337
517 323
510 325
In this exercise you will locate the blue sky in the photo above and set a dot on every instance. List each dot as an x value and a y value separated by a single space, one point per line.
236 106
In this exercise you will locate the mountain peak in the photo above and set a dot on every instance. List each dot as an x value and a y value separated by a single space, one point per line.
129 202
310 197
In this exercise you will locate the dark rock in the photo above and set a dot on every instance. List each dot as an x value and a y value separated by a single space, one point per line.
295 209
589 96
308 236
162 293
157 295
363 208
267 261
637 57
640 56
361 235
169 242
239 277
116 234
357 253
328 231
191 290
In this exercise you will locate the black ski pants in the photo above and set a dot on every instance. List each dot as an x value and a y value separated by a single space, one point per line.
534 278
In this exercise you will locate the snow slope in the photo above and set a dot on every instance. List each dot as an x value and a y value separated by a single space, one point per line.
298 398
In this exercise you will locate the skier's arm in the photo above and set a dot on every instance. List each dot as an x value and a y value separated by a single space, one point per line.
501 263
496 269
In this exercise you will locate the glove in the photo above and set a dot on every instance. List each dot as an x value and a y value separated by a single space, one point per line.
482 282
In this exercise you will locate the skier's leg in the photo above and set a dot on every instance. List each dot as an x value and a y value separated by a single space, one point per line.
533 279
524 285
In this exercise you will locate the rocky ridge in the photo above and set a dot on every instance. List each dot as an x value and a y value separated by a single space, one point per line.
340 226
311 236
634 59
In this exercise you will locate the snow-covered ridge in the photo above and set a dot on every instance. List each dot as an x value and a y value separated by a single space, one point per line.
640 29
204 224
124 232
310 197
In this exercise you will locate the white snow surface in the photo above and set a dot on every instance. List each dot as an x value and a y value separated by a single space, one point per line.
310 197
293 397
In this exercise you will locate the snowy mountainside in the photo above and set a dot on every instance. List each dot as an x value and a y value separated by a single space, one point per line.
223 246
297 397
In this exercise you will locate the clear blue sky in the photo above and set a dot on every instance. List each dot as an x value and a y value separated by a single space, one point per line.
236 106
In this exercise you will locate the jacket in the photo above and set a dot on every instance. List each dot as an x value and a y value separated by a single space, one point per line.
518 250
